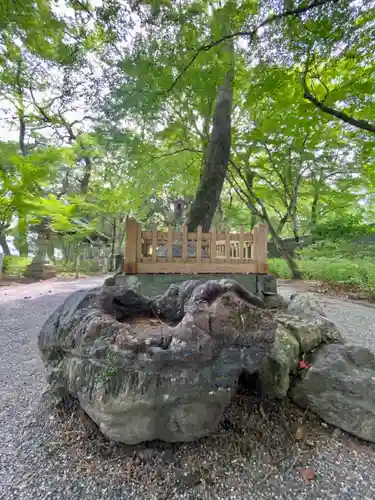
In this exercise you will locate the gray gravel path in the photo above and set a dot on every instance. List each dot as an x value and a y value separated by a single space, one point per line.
356 319
36 464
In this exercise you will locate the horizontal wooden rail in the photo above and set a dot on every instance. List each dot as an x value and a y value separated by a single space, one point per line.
183 252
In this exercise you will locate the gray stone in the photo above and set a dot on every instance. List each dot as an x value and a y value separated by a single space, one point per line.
275 301
339 387
179 299
145 380
40 267
123 303
307 307
307 333
266 283
279 363
152 285
40 271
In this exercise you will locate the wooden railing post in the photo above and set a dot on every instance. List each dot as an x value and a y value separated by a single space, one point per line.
154 242
227 244
170 243
242 245
259 247
213 250
131 250
185 243
199 244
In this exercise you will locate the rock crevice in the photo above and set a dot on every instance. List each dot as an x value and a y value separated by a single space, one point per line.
166 367
143 376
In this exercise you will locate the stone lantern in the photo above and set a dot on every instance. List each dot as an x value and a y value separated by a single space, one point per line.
41 268
178 208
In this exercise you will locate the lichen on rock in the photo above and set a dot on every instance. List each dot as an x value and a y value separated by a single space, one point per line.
166 368
140 378
280 362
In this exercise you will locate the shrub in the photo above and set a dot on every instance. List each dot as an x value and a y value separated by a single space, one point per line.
340 249
279 268
341 226
88 266
13 265
354 273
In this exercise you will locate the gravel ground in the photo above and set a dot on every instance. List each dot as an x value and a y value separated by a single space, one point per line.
262 450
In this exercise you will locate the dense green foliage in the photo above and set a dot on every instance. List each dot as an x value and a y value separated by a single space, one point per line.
107 110
353 274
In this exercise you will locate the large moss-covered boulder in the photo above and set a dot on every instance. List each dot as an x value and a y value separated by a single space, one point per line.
303 327
307 333
280 362
340 387
141 378
306 306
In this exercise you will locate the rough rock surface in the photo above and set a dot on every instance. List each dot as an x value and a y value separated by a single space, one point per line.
142 379
339 387
302 328
307 307
179 299
274 301
280 363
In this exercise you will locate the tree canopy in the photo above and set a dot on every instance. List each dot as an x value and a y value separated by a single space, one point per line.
249 110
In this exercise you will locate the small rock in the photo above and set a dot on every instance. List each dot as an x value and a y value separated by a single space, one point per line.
323 424
189 480
301 432
336 433
168 456
307 473
146 455
339 371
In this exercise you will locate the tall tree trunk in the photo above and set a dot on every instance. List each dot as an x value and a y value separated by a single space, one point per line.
111 260
85 181
22 220
51 250
296 273
20 240
258 209
314 211
4 244
216 160
297 238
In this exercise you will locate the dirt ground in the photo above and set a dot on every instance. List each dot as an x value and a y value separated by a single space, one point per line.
262 449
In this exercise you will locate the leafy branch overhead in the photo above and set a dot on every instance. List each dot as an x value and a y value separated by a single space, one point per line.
336 113
252 34
244 110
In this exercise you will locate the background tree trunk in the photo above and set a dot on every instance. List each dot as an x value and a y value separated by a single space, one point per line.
217 155
4 244
296 273
21 239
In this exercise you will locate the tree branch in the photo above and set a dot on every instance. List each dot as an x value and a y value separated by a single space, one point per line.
183 150
251 34
341 115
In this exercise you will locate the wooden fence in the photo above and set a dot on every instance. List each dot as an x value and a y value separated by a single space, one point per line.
153 252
